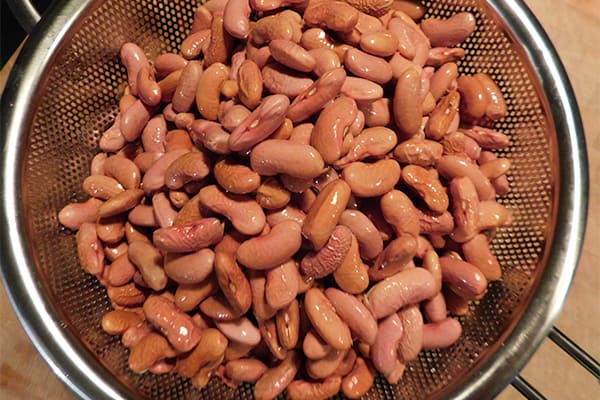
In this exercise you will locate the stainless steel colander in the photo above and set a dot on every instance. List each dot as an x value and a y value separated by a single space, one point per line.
63 92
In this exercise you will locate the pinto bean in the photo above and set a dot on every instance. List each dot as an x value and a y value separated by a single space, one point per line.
151 348
352 275
75 214
189 296
211 346
273 249
325 60
240 331
190 268
399 211
463 278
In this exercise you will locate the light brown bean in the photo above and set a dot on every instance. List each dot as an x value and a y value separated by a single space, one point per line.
233 282
407 104
189 167
325 213
381 44
75 214
288 325
276 379
334 15
273 249
209 90
305 390
273 156
189 268
331 127
326 322
149 262
176 325
330 257
151 348
244 213
372 180
235 178
358 382
281 287
427 186
451 31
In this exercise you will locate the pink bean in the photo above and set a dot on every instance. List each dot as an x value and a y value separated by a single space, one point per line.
384 350
463 278
185 93
281 287
133 120
154 178
245 369
354 313
190 268
260 124
240 330
236 18
167 63
89 249
134 59
191 236
361 90
143 215
75 214
367 66
149 90
177 326
281 80
154 134
273 249
317 95
407 287
442 334
452 166
291 55
164 212
412 338
272 157
331 127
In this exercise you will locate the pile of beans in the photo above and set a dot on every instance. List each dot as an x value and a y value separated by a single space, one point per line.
303 197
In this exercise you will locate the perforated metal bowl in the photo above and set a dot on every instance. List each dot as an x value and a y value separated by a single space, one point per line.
63 93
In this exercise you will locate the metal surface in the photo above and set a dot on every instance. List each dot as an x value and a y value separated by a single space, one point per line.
576 352
525 388
25 12
63 93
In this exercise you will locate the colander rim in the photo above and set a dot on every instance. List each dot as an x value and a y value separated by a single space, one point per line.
79 370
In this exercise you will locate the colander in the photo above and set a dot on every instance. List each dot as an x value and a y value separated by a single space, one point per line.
63 92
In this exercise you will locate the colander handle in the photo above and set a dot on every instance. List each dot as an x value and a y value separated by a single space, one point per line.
25 12
569 347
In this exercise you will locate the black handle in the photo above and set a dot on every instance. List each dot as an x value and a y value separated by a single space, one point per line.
25 12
